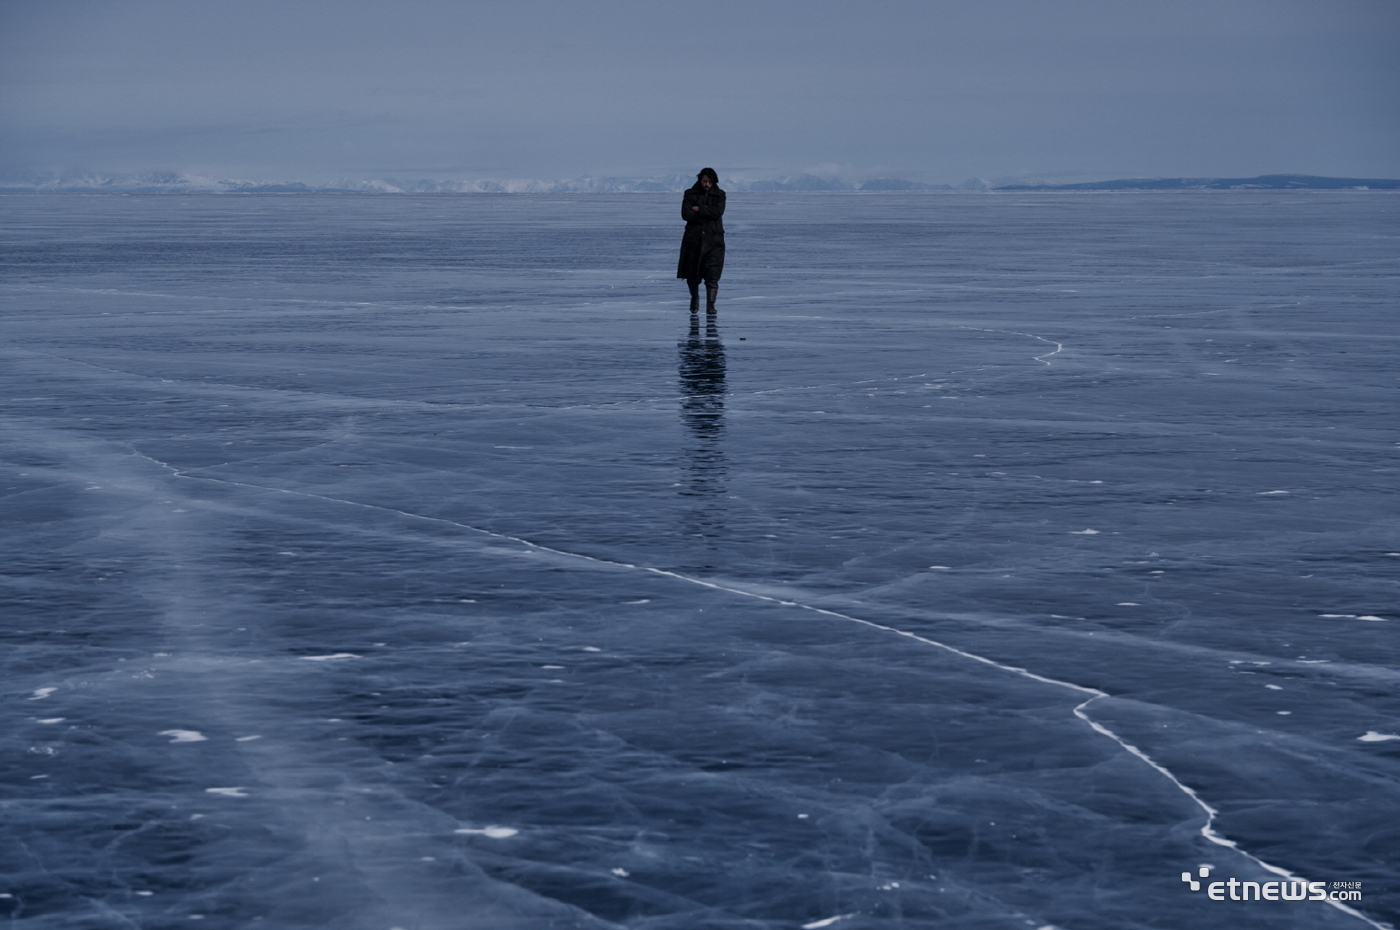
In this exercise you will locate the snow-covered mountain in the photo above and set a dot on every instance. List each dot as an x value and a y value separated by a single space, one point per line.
1271 182
172 182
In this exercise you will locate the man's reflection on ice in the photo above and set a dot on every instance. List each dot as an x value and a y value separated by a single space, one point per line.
702 411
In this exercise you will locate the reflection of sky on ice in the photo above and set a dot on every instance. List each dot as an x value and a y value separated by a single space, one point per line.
416 562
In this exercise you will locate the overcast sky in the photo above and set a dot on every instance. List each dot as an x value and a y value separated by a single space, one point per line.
934 90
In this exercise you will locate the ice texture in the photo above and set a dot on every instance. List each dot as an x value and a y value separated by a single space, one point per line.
992 562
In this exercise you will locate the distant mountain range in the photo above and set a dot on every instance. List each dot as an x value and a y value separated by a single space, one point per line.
176 183
169 182
1266 182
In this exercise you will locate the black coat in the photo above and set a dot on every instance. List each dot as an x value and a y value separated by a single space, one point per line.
702 248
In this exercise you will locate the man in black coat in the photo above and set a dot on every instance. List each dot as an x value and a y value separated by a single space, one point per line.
702 248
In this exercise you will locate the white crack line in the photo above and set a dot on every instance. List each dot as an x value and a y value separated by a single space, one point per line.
1207 829
1059 346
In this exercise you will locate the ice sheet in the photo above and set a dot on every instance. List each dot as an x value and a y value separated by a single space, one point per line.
418 562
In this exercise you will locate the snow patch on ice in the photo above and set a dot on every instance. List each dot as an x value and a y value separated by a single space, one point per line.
814 925
1374 737
185 736
495 833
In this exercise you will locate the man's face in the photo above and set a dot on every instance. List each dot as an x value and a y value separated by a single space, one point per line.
706 183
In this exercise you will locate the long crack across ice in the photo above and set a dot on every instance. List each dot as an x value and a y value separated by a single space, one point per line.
1207 829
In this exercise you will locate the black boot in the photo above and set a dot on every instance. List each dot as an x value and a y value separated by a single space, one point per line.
694 296
711 292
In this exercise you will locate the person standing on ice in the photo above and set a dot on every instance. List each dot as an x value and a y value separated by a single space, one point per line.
702 248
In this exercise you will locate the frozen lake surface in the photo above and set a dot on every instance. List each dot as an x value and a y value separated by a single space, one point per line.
414 562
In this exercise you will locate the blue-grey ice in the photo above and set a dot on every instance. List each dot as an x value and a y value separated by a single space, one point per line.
994 561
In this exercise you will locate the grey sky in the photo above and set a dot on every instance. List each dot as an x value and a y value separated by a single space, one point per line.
936 90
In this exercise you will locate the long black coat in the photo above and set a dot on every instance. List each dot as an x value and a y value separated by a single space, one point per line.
702 248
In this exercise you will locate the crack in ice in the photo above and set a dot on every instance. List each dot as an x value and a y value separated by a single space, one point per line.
1207 829
1059 346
